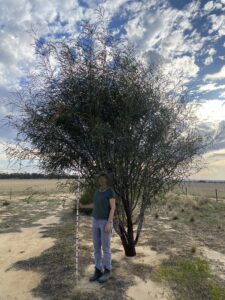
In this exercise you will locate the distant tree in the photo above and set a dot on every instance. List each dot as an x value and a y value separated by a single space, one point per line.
92 98
34 175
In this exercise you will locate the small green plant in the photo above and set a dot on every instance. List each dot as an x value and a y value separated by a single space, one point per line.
30 194
193 249
156 215
5 203
192 219
190 278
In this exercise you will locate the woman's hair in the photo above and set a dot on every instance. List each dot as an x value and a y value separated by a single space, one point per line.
103 174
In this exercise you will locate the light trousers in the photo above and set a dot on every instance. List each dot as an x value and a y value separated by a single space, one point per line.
101 241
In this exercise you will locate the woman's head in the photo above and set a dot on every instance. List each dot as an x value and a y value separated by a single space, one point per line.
103 179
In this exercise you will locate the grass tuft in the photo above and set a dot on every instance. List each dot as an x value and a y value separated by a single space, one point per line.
190 278
192 219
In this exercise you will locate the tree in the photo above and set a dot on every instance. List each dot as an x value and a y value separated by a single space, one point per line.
92 98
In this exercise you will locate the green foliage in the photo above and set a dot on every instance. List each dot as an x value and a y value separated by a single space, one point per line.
5 203
87 197
190 278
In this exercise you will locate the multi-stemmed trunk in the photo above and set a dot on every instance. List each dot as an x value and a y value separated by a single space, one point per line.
126 230
127 238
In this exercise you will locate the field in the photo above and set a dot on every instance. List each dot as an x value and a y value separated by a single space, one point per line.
23 187
180 253
207 189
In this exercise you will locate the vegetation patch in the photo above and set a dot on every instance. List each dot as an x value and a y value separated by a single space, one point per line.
189 278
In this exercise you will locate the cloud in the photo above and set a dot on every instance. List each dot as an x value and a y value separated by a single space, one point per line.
217 75
185 65
208 60
152 56
212 5
222 94
154 23
210 87
211 111
211 52
222 57
217 24
158 27
211 170
163 34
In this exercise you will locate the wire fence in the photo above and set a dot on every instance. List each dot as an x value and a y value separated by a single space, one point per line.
202 190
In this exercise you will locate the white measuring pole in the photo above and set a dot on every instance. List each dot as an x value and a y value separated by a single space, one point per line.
77 228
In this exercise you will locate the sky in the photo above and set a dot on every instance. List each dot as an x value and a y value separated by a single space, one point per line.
187 35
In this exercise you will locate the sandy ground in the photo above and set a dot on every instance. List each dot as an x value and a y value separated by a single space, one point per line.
148 289
15 246
141 289
18 284
218 259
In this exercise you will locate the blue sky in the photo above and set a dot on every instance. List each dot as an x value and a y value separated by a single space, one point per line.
182 35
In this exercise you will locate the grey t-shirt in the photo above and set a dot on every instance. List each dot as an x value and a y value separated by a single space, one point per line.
102 204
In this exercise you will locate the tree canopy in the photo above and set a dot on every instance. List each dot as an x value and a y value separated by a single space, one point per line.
92 98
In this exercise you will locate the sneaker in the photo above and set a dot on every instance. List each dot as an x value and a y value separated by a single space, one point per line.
96 275
105 276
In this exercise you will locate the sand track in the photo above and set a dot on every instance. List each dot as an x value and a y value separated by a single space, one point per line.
16 246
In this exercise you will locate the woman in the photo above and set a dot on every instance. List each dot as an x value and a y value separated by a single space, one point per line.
104 205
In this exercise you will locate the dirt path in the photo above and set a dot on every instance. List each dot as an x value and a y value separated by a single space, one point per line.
15 246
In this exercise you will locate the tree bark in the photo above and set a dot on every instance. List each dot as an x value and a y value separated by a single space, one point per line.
127 237
127 241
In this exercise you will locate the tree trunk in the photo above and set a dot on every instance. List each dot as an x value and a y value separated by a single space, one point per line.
130 250
126 236
127 242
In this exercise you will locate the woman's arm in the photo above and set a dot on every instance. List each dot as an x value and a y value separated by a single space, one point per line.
112 202
91 205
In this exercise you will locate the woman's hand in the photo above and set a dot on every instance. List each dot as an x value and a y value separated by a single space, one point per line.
81 205
107 227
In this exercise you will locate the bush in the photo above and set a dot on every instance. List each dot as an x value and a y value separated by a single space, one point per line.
87 197
5 203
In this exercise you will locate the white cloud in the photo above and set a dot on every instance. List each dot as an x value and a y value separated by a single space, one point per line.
208 60
210 87
152 25
16 47
185 64
218 24
217 75
158 26
212 51
208 5
222 94
214 167
211 5
211 112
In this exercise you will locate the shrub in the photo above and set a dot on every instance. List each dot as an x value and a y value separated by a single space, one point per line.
87 197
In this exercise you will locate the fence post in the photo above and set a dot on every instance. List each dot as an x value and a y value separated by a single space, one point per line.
186 190
216 195
10 194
